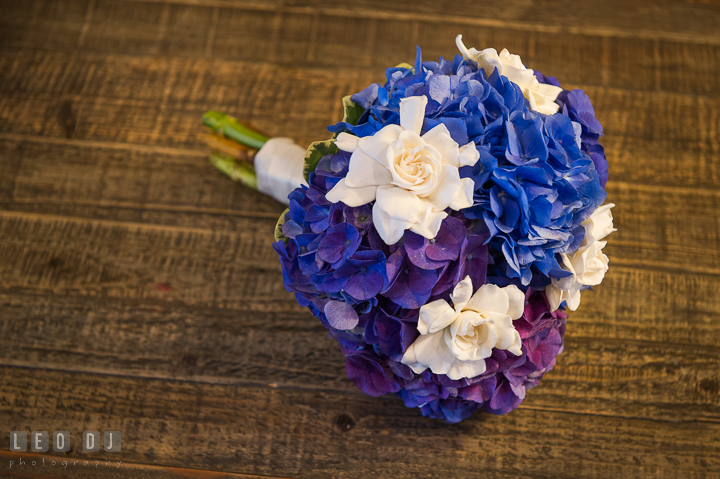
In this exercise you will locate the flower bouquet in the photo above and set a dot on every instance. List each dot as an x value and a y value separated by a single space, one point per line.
443 230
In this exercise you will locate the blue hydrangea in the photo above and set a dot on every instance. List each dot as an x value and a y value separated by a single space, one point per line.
535 181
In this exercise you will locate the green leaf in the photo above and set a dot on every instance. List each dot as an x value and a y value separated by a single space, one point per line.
404 65
279 236
315 152
353 112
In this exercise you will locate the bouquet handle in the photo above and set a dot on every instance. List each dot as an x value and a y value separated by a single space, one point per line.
273 166
279 166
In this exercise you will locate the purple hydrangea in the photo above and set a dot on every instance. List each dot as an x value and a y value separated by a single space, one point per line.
499 390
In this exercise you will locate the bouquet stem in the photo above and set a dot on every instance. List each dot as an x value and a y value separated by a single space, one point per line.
228 147
233 146
238 171
274 166
233 129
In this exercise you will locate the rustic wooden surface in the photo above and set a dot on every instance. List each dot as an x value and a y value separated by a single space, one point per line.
138 290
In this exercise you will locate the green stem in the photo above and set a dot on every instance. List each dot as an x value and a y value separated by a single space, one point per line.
231 128
237 170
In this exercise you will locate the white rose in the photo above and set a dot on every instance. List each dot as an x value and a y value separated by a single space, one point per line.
588 264
411 178
599 224
456 340
540 96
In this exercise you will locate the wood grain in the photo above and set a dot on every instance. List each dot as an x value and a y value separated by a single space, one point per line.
233 271
200 258
172 192
219 346
41 466
138 290
329 39
321 434
643 129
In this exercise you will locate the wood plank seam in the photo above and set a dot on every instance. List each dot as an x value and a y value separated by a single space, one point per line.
604 86
124 465
654 265
244 384
407 16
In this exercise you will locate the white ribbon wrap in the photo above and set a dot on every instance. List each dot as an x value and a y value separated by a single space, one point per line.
279 167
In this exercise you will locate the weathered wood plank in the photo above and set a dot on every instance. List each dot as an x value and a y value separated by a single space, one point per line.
132 260
140 251
52 23
301 434
694 22
124 254
131 116
643 304
41 170
656 138
338 40
682 21
136 181
263 344
121 183
673 153
76 186
220 269
43 466
93 86
638 18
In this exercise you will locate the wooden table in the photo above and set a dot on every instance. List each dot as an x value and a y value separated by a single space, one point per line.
139 292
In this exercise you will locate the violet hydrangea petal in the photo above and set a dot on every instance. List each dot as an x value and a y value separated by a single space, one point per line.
341 315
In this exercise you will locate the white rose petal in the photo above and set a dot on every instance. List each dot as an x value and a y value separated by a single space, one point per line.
351 196
439 138
472 336
466 369
540 96
375 146
365 171
554 296
448 189
413 179
506 332
427 223
435 316
573 299
468 154
587 266
489 297
412 113
431 351
456 340
464 197
399 203
600 223
389 228
347 142
517 301
462 292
